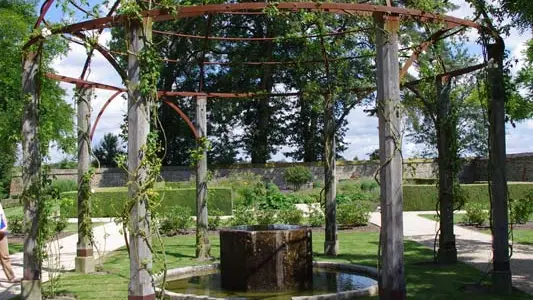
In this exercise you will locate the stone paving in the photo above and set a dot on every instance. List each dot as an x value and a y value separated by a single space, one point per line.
473 247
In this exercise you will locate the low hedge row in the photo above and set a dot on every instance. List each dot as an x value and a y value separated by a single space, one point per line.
424 197
109 202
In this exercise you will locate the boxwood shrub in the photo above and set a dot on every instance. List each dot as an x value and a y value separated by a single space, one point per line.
109 201
424 197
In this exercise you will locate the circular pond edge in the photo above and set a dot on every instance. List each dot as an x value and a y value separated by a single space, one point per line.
186 272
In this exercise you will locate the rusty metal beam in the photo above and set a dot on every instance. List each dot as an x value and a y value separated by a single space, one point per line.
44 10
101 112
184 117
160 15
257 39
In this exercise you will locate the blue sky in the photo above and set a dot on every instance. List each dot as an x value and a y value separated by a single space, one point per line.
362 134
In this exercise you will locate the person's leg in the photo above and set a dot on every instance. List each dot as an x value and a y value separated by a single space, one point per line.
5 260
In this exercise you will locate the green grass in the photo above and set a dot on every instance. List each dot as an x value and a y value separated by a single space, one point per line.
424 281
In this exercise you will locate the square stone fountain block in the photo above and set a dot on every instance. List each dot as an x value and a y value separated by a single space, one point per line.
266 258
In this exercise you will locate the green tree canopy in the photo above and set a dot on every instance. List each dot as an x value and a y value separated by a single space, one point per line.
56 116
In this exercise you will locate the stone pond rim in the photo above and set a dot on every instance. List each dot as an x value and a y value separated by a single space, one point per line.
266 258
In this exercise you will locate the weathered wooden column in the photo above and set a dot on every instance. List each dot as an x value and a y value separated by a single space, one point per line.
392 281
140 286
84 262
331 243
501 273
31 175
203 247
446 127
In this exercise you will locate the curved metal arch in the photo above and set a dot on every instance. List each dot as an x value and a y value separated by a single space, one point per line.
101 112
172 105
159 15
184 117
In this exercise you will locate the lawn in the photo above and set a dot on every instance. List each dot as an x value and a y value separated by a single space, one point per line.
424 280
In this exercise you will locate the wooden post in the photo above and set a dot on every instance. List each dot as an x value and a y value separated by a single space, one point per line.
392 281
203 247
501 274
84 262
446 128
140 286
331 243
31 175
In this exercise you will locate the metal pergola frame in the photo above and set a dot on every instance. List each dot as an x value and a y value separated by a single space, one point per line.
387 22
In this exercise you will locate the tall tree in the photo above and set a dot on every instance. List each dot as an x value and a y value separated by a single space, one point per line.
107 151
16 20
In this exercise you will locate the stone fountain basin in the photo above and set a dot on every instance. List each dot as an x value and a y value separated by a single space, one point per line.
192 271
266 258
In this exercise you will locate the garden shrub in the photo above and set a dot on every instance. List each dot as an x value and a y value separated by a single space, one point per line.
369 185
521 209
176 220
242 215
291 216
316 216
274 199
16 224
109 202
424 197
475 214
266 217
353 214
65 185
297 176
213 220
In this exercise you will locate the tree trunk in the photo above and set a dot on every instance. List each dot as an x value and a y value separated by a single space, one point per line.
203 248
501 274
31 175
140 286
392 281
84 261
260 150
446 127
331 243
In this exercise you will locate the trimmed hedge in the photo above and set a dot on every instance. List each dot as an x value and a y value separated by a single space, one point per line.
424 197
108 202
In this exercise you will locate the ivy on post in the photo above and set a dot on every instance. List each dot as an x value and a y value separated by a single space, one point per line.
446 141
331 243
140 286
391 281
84 262
501 274
31 174
202 241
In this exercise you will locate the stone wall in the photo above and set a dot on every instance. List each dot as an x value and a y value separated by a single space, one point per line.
271 172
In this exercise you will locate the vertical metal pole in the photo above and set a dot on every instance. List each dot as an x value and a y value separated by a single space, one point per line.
31 174
202 240
140 286
331 243
84 262
392 281
501 274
